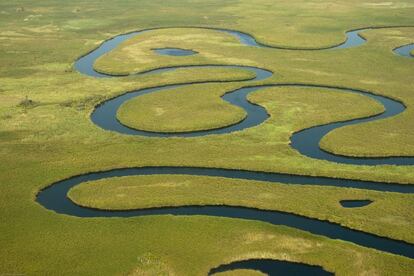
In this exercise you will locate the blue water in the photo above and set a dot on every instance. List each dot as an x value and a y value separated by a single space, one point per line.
354 203
105 114
353 39
54 198
174 52
305 141
273 267
405 50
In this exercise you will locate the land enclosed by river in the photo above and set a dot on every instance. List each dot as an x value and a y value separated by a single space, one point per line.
47 135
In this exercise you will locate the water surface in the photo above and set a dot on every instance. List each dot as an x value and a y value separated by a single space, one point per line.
273 267
355 203
174 52
306 142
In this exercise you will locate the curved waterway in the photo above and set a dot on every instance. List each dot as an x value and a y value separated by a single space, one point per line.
55 198
85 64
273 267
306 142
355 203
174 52
405 50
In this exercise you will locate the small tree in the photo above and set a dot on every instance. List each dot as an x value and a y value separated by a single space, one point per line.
26 102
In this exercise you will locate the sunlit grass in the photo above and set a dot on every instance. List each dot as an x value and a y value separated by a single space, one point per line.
54 138
389 215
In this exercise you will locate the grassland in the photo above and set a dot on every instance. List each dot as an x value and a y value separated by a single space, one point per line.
347 141
53 138
217 48
389 210
170 111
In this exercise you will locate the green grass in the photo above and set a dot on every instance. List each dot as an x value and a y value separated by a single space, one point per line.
394 133
170 110
363 67
54 138
390 214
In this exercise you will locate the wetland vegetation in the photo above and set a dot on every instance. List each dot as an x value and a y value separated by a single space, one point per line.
46 134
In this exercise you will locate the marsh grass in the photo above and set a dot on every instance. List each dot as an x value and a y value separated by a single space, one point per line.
27 103
197 107
55 140
85 103
389 214
362 65
149 264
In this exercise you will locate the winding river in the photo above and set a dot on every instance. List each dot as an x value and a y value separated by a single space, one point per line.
405 50
305 141
273 267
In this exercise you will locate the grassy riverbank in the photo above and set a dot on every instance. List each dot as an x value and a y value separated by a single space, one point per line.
46 134
348 68
169 111
390 214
